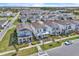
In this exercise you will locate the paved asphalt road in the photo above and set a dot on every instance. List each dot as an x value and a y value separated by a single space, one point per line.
8 26
71 50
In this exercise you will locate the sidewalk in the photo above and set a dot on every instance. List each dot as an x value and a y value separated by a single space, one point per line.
35 45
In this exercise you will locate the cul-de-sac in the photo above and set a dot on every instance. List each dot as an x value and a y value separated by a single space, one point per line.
39 31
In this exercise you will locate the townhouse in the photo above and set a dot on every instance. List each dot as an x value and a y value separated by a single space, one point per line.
39 29
75 25
24 34
38 14
54 22
66 26
54 28
7 13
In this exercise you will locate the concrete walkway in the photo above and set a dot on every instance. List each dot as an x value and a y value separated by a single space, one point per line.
71 50
11 51
3 53
39 48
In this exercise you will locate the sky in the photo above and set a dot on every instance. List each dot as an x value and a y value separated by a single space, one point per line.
39 4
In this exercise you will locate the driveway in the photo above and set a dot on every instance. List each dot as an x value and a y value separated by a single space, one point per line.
71 50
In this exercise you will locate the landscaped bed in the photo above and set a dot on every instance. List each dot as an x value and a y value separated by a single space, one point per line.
50 45
35 42
22 45
56 44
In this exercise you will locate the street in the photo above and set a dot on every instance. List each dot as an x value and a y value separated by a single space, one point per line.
9 25
71 50
50 51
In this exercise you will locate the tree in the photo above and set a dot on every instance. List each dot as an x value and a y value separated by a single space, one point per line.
13 41
34 37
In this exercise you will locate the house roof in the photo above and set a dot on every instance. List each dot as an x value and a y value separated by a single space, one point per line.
23 31
20 26
38 24
74 21
28 26
50 23
24 26
63 22
2 22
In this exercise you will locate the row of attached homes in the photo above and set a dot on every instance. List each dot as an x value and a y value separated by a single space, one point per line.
40 29
34 15
43 23
7 13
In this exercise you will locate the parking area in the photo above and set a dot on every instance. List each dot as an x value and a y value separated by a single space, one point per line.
70 50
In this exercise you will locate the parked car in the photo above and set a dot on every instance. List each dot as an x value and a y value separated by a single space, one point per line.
68 42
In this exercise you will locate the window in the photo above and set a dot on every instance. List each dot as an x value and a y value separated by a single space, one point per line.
69 27
38 31
24 41
20 41
53 29
44 29
56 28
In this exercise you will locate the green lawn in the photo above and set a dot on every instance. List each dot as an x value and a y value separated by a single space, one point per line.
56 44
16 22
28 51
51 45
54 37
35 42
25 52
10 18
1 30
22 45
77 37
4 44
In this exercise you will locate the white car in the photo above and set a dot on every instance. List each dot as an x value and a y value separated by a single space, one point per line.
68 43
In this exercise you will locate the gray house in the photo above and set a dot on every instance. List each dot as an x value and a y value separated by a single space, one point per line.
75 24
24 34
39 29
54 28
66 26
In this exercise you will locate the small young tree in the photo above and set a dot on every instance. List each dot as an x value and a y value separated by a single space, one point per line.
13 41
